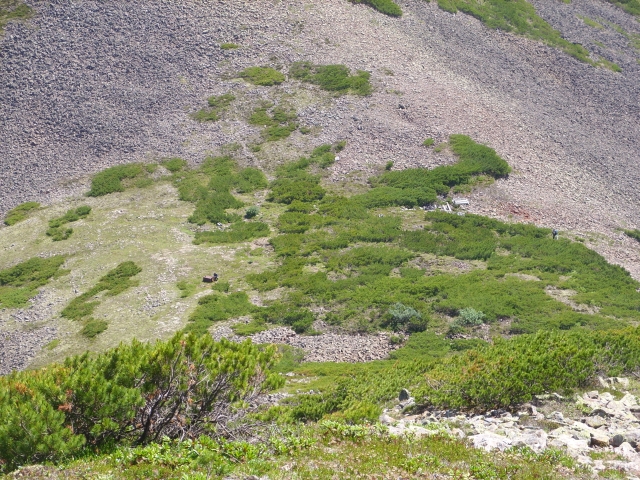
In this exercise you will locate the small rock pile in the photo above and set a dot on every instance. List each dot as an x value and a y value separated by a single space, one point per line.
610 425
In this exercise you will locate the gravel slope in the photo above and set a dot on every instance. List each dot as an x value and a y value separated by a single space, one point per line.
88 84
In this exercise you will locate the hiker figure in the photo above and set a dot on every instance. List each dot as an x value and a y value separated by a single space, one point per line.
555 234
215 277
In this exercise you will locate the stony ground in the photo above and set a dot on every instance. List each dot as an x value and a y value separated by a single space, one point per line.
88 84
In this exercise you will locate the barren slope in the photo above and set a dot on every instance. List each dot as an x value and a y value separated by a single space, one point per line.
88 84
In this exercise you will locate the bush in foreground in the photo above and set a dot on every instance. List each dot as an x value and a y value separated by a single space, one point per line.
133 394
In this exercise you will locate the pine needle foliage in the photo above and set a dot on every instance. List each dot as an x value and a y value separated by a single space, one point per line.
517 16
20 283
20 212
134 394
57 230
110 180
388 7
333 78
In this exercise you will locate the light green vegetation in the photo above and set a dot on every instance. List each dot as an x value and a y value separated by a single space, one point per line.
388 7
174 164
278 122
635 234
428 142
113 283
21 282
264 76
610 65
12 10
591 23
217 104
111 180
20 212
229 46
517 16
333 78
57 229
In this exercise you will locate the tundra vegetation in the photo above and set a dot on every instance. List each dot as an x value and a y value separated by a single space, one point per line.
13 10
373 260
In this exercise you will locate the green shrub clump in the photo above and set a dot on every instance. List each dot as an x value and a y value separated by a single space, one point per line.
110 179
333 78
217 104
229 46
131 395
20 212
517 16
278 123
239 232
388 7
113 283
251 212
265 76
21 282
174 164
635 234
57 230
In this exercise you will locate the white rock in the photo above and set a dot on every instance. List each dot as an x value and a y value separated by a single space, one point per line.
627 451
490 441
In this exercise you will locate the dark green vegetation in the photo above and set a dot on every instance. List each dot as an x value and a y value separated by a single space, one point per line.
265 76
113 283
20 212
11 10
333 78
174 164
57 229
21 282
210 186
131 395
635 234
388 7
111 180
217 104
278 123
517 16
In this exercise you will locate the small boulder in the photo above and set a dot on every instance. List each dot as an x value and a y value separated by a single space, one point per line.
626 451
490 441
404 395
616 440
599 439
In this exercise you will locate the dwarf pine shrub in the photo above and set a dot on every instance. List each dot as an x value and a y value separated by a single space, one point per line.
134 394
21 282
20 212
333 78
57 230
110 180
265 76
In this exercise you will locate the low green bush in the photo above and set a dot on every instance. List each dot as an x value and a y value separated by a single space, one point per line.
129 396
251 212
635 234
388 7
174 164
20 212
217 307
428 142
110 179
333 78
265 76
239 232
278 123
56 229
20 283
517 16
217 104
113 283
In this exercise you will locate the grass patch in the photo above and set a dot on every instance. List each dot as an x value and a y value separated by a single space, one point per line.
265 76
388 7
517 16
635 234
229 46
57 230
278 123
239 232
251 328
217 104
20 283
590 22
113 283
218 307
428 142
12 10
610 65
333 78
20 212
110 180
187 288
174 164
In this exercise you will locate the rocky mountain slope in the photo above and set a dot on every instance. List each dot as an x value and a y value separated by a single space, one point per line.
87 84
